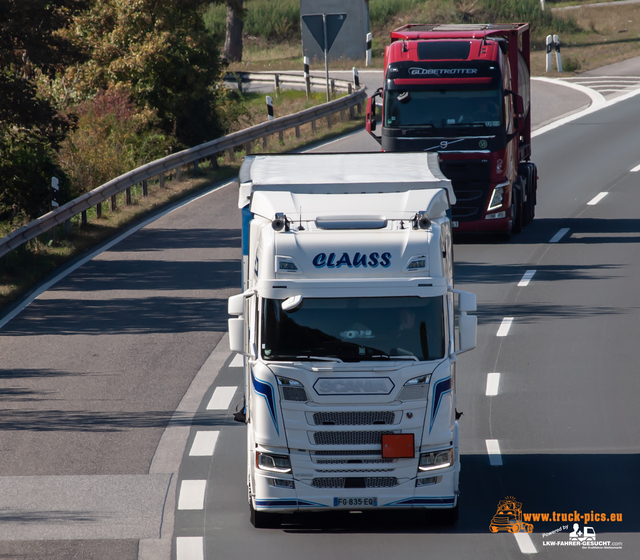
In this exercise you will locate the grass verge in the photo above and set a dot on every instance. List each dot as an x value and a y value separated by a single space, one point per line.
24 268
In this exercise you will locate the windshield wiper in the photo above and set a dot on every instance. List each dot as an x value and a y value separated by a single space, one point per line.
320 358
413 358
282 357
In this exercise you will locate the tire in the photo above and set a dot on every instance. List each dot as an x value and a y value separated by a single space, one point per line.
449 516
516 211
263 520
528 172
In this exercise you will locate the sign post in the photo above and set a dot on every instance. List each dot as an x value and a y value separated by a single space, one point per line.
325 29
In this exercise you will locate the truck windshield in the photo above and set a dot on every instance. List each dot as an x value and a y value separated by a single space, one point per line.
354 329
443 108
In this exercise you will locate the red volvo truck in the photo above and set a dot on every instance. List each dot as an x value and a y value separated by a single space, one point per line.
464 91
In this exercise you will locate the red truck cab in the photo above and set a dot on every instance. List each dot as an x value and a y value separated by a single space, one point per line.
464 91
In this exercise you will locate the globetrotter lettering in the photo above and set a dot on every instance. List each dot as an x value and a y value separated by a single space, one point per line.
441 71
357 260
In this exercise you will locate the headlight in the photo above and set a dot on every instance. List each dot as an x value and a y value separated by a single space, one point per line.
497 198
436 460
273 463
415 388
291 390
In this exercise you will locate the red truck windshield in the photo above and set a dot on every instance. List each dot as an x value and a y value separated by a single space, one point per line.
445 108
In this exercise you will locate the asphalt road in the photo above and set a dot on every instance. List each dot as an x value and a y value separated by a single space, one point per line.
107 378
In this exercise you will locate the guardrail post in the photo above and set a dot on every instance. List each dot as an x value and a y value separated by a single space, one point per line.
329 123
214 161
127 196
161 180
179 173
67 226
99 210
114 203
333 86
230 153
145 188
247 148
307 79
264 143
368 55
556 42
276 84
351 110
313 126
297 131
83 218
341 115
281 136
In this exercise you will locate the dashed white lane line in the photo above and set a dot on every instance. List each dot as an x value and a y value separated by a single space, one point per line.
221 398
204 444
237 361
635 169
192 494
525 543
528 275
597 199
505 326
190 548
493 449
493 381
558 236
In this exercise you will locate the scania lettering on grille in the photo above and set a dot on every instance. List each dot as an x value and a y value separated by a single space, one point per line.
356 385
355 260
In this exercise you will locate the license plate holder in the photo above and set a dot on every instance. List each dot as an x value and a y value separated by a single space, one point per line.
355 502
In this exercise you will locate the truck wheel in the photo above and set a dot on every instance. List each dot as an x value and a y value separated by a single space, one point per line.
263 520
449 516
516 211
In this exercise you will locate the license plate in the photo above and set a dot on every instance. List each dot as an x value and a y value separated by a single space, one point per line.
455 224
355 502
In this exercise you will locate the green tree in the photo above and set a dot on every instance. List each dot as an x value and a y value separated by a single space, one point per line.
161 52
30 127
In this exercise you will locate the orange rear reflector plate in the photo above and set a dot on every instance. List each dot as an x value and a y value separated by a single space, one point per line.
398 446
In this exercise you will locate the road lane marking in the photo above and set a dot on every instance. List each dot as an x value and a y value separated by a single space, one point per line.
204 444
558 236
528 275
635 169
190 548
493 449
493 380
597 199
221 398
525 543
192 494
505 326
237 361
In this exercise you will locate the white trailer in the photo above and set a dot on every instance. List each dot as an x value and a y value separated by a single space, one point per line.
350 327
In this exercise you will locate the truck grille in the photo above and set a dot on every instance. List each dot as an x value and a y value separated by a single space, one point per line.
353 418
348 438
355 482
342 471
347 452
353 461
470 181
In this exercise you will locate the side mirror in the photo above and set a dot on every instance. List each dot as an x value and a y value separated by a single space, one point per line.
236 335
370 121
468 332
236 305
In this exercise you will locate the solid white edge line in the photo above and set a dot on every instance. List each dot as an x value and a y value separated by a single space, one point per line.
192 494
597 199
505 326
635 169
204 444
596 106
525 543
4 320
526 278
237 361
493 449
189 548
221 398
493 381
558 236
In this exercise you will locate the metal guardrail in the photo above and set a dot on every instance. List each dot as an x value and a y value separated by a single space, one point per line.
279 79
243 137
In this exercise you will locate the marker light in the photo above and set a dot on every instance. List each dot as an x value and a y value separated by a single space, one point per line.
416 263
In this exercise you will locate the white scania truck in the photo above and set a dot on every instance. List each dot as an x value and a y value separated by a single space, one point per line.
350 327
